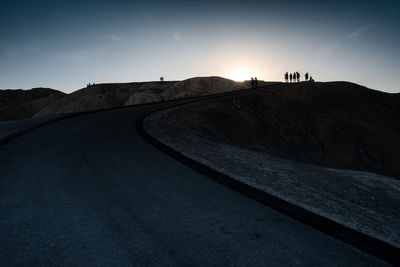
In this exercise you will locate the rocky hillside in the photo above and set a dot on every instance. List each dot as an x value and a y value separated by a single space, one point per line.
337 124
118 94
19 104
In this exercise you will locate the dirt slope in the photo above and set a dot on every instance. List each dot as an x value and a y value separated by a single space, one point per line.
19 104
280 140
116 95
338 124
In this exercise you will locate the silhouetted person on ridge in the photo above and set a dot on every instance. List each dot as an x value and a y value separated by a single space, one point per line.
311 79
298 77
255 82
161 79
286 77
252 82
290 77
306 76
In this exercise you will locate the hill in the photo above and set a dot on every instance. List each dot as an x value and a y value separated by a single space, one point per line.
19 104
102 96
337 124
320 146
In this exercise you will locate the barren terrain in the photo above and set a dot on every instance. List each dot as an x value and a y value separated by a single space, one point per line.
21 104
322 146
117 95
337 125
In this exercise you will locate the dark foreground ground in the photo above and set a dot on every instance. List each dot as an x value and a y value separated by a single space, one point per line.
90 191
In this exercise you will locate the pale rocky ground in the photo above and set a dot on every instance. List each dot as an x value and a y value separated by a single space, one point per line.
364 201
38 102
117 95
24 109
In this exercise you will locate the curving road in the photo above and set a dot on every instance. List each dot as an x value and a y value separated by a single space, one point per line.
89 190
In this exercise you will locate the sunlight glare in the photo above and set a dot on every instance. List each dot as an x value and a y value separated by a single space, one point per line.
240 75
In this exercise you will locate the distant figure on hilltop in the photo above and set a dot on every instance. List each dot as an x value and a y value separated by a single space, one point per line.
255 82
252 82
296 77
161 79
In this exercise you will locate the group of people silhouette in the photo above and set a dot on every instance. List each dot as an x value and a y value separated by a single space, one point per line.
295 77
254 82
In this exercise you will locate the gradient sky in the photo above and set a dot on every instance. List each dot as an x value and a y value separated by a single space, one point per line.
67 44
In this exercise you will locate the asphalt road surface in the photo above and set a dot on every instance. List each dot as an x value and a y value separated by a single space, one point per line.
89 190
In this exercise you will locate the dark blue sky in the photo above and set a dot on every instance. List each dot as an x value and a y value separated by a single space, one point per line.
66 44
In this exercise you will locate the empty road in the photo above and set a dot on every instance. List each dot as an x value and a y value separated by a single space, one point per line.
89 190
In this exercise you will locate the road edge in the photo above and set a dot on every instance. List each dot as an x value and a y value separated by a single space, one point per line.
364 242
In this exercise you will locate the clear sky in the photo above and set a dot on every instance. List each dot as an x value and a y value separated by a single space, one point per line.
67 44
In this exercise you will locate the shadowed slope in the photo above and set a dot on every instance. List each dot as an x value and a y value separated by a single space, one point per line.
338 124
20 104
267 139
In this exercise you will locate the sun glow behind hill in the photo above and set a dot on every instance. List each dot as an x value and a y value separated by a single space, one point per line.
240 75
143 40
